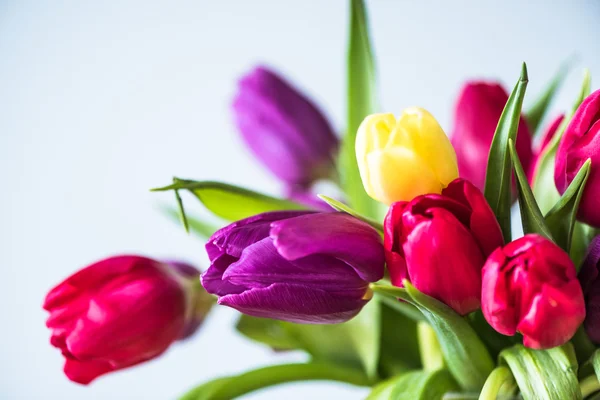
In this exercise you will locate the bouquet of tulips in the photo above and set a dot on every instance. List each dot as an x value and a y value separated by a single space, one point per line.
410 282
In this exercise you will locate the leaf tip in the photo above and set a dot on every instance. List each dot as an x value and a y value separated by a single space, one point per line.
524 77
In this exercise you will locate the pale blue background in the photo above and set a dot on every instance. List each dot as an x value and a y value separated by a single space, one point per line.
101 100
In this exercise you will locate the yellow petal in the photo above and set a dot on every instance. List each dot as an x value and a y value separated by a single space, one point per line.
372 135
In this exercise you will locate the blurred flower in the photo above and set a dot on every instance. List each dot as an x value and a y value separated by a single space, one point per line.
478 109
295 266
589 276
440 243
123 311
581 141
402 158
545 141
530 286
284 129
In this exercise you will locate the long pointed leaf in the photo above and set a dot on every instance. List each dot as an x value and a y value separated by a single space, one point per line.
360 103
561 218
531 216
498 174
339 206
200 228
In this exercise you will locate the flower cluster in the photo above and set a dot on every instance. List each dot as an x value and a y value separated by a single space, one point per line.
442 247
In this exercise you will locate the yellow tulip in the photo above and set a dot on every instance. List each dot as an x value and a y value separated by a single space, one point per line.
400 159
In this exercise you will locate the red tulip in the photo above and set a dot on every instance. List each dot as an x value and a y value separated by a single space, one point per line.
123 311
478 109
580 142
440 243
530 286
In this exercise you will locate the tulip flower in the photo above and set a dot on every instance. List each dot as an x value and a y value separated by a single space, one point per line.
402 158
440 243
544 142
589 276
295 266
580 142
478 109
530 286
123 311
284 129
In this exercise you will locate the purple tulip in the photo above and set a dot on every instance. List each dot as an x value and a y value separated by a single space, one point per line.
284 129
295 266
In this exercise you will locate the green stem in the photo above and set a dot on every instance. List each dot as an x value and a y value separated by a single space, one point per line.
429 347
499 377
408 310
235 386
589 385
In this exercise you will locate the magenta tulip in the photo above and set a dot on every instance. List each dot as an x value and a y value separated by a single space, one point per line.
440 243
123 311
530 286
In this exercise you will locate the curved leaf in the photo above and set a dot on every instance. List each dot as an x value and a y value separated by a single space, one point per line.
416 385
561 218
531 216
230 387
339 206
544 374
198 227
498 175
499 378
360 103
231 202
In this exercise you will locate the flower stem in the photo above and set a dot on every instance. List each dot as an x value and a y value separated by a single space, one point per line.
589 385
499 378
429 347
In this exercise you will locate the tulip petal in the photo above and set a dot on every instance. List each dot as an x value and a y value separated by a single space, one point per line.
261 265
444 261
294 303
84 372
554 316
497 301
332 234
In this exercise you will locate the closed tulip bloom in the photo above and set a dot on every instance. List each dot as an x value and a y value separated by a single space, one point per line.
478 109
123 311
401 158
284 129
589 276
295 266
530 286
581 141
440 242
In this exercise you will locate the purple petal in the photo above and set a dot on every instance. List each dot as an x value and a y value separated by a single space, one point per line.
212 278
335 234
589 269
261 265
294 303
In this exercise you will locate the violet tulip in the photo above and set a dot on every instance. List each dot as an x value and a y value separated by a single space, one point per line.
284 129
589 276
530 286
440 242
478 109
295 266
580 142
123 311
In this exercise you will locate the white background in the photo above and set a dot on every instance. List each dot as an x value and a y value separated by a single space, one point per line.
102 100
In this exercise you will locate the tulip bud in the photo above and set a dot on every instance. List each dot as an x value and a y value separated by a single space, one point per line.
440 243
478 109
589 276
123 311
284 129
544 142
402 158
530 286
295 266
580 142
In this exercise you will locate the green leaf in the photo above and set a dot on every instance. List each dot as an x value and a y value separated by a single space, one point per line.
416 385
498 183
561 218
198 227
494 341
499 378
360 103
339 206
531 216
231 202
596 363
364 331
234 386
536 113
543 182
466 356
543 374
271 332
399 343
